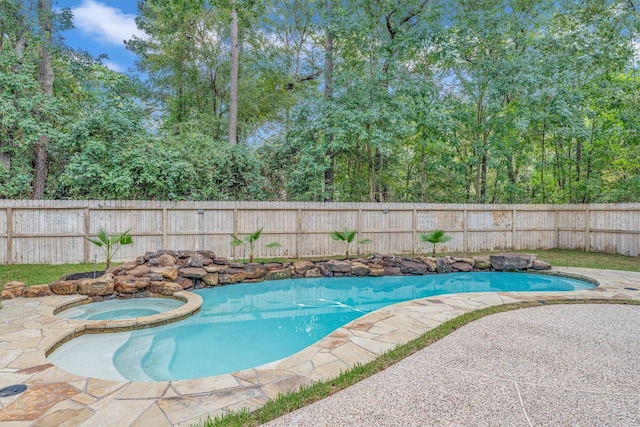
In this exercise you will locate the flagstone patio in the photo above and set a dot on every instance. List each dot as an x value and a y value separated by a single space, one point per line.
55 397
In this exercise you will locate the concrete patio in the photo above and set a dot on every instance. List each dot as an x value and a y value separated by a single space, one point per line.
55 397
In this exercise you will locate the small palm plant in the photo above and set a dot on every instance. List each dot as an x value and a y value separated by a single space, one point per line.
435 237
249 241
347 236
111 244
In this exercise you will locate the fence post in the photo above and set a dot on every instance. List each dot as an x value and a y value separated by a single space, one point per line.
465 237
298 232
514 236
87 232
165 226
9 236
414 226
587 229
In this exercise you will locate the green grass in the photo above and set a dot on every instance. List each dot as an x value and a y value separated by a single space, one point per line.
306 395
41 274
566 258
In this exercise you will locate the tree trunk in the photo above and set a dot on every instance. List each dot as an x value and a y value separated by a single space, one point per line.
329 172
45 77
233 80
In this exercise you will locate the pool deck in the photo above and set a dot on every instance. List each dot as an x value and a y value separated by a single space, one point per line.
56 397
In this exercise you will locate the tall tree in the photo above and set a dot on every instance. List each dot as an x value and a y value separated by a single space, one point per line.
45 77
233 77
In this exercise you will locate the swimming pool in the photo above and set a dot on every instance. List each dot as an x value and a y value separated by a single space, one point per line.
248 325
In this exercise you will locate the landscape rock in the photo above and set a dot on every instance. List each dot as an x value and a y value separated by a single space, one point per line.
211 279
285 273
37 291
482 262
359 269
103 285
169 273
469 261
255 271
13 290
184 283
392 271
412 267
139 271
376 271
193 272
166 260
195 260
130 265
462 267
541 265
164 288
512 261
130 284
442 266
228 278
301 267
336 266
64 287
314 272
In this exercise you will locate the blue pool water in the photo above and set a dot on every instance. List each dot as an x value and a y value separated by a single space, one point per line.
248 325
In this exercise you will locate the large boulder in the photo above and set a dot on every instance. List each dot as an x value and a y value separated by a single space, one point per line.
193 272
231 276
336 266
430 262
131 284
541 265
101 286
314 272
284 273
461 266
512 261
164 288
482 262
301 267
211 279
443 266
359 269
412 267
64 287
196 261
139 271
37 291
255 271
169 273
167 260
13 290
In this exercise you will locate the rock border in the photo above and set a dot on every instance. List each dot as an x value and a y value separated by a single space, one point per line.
168 272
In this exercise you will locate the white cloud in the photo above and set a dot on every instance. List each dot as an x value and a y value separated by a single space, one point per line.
113 66
104 23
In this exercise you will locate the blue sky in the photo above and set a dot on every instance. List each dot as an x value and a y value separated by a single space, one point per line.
100 28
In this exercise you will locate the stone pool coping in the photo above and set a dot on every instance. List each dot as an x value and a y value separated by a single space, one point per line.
192 305
54 396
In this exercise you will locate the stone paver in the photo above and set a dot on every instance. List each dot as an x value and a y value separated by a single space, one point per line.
30 330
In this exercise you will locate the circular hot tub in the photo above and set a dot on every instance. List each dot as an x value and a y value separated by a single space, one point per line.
116 309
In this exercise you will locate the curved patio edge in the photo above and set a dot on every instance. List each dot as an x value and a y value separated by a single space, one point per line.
56 395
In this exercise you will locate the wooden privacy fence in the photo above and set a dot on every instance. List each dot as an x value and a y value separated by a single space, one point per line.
55 231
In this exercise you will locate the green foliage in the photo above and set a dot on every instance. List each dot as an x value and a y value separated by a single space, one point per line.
435 237
110 245
249 241
494 102
347 237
